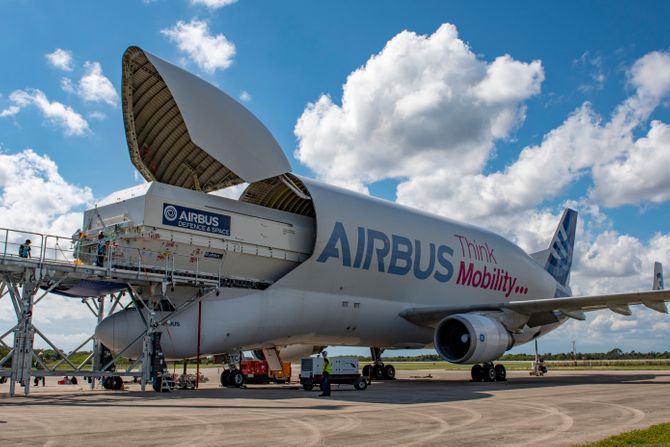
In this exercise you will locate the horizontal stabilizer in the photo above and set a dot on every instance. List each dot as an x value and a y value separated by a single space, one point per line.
541 257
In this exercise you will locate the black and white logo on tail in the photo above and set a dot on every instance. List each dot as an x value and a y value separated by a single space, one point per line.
192 219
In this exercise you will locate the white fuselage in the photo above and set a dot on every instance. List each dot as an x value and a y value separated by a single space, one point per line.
371 260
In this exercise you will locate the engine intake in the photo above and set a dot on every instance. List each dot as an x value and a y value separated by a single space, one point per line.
471 338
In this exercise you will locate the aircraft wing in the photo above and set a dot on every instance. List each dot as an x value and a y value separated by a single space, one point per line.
548 310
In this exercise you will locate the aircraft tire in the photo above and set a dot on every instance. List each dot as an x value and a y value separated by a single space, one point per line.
477 373
489 373
378 372
501 373
236 378
225 375
367 371
389 372
116 382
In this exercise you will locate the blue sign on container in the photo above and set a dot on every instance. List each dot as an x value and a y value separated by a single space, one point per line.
192 219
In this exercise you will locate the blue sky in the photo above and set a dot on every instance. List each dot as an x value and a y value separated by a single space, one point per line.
571 70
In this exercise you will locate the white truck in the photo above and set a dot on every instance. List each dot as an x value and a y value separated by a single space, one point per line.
345 370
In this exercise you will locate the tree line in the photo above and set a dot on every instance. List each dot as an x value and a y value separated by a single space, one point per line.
615 354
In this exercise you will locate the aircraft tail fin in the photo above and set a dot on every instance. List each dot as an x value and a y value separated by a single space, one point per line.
658 276
559 259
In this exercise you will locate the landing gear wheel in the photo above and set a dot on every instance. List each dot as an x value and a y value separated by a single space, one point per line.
378 372
389 372
501 373
113 383
367 371
489 373
225 375
236 378
117 383
361 384
477 373
308 386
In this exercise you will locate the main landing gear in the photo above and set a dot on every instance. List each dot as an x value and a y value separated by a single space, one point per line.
487 372
232 377
378 370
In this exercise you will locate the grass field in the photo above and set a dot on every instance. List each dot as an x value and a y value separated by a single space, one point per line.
526 366
656 435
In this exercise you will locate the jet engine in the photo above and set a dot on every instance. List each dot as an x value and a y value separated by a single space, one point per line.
471 338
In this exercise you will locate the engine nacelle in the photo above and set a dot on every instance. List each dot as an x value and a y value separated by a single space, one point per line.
471 338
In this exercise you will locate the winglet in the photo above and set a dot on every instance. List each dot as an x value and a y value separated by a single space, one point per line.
658 276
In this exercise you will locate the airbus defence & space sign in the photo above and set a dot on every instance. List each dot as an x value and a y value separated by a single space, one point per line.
192 219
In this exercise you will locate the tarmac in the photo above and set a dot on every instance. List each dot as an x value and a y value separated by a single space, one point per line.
433 407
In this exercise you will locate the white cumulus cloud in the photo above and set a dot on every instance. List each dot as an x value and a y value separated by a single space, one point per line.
60 58
55 112
213 4
209 52
95 87
624 170
35 196
423 103
641 174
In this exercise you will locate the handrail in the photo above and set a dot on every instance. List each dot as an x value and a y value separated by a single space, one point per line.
83 252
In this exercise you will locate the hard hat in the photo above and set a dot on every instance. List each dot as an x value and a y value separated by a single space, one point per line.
324 353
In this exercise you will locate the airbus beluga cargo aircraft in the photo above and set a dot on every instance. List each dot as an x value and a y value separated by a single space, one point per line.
294 264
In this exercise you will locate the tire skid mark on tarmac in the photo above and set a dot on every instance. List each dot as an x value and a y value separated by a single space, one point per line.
315 436
566 423
441 427
521 418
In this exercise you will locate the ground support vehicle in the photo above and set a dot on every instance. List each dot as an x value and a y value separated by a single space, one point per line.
345 371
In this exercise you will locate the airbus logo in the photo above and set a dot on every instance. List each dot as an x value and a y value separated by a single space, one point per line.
170 213
396 255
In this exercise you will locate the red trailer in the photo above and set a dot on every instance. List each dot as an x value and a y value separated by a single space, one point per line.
255 371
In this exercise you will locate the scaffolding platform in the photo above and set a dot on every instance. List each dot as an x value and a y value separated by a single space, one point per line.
52 268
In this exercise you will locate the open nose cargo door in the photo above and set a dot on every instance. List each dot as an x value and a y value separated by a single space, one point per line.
185 132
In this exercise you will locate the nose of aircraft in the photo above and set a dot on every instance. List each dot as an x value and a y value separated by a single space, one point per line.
119 330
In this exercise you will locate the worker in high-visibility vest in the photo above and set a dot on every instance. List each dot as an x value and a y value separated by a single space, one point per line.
327 370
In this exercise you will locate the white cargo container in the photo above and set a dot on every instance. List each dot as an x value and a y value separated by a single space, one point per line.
159 227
